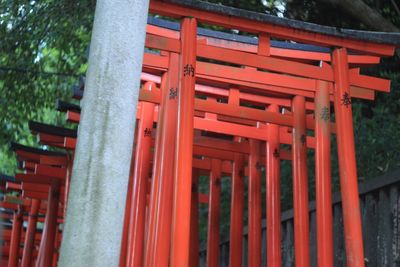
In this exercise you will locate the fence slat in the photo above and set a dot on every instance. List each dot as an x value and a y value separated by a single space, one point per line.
395 212
338 240
288 249
370 222
263 247
384 238
313 239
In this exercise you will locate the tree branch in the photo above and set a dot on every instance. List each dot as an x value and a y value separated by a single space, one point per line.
368 16
396 7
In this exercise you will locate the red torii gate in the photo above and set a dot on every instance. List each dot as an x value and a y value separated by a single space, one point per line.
328 114
341 81
40 191
147 95
292 80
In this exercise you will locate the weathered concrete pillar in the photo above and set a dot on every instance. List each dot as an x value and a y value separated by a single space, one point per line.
95 212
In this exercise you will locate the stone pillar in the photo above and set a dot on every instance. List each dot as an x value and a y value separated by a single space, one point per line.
96 203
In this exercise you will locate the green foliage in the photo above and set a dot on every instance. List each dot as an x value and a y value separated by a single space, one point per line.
42 52
377 128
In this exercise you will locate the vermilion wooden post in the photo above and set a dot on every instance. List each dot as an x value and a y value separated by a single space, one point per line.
347 160
29 243
123 259
140 177
273 196
70 160
46 251
194 221
300 184
56 248
165 153
13 258
237 197
254 205
184 146
214 214
323 176
237 206
153 201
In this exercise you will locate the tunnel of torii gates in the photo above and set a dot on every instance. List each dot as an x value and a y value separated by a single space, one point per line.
215 104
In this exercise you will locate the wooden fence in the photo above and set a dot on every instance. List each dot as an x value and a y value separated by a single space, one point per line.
380 211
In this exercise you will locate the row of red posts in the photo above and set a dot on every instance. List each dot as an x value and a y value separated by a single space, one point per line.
213 106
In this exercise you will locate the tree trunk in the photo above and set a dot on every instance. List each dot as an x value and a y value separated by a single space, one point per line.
95 213
362 12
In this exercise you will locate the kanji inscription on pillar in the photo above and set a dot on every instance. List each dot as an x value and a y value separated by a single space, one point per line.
147 132
346 100
188 70
173 93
